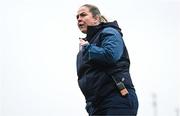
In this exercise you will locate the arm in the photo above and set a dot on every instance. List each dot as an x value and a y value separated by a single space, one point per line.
110 50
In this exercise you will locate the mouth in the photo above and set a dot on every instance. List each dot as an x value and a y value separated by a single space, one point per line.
81 26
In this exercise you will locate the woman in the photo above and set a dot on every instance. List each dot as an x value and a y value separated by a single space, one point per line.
103 63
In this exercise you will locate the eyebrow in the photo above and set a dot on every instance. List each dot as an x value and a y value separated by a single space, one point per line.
80 14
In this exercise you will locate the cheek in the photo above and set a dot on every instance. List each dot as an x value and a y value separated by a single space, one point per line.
89 21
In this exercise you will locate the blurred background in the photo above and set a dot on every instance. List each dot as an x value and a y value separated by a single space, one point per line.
39 43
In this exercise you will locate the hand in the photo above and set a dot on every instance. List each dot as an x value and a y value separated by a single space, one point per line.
82 42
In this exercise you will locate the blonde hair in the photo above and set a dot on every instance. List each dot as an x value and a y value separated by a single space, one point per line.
103 19
96 12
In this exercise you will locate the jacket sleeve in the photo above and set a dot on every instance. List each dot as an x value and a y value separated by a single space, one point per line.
109 51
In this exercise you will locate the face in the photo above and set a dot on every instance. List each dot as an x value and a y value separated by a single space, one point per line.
85 19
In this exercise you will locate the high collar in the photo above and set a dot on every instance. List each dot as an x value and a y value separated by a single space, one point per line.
92 30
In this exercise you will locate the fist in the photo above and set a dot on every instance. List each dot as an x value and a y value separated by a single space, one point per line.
82 42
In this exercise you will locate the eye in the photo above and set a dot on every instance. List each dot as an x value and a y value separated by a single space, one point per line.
77 16
83 14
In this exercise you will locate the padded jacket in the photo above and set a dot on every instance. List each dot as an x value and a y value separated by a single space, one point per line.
105 55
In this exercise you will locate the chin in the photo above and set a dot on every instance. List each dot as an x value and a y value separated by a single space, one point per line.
84 31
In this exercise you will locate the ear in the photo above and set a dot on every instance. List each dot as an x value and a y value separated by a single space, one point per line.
97 20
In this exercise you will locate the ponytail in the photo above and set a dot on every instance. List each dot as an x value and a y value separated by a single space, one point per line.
103 19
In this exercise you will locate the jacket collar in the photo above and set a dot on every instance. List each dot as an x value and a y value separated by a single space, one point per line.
92 30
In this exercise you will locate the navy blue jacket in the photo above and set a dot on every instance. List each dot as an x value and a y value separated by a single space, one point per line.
105 55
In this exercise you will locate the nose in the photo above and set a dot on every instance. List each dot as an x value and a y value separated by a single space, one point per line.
79 18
